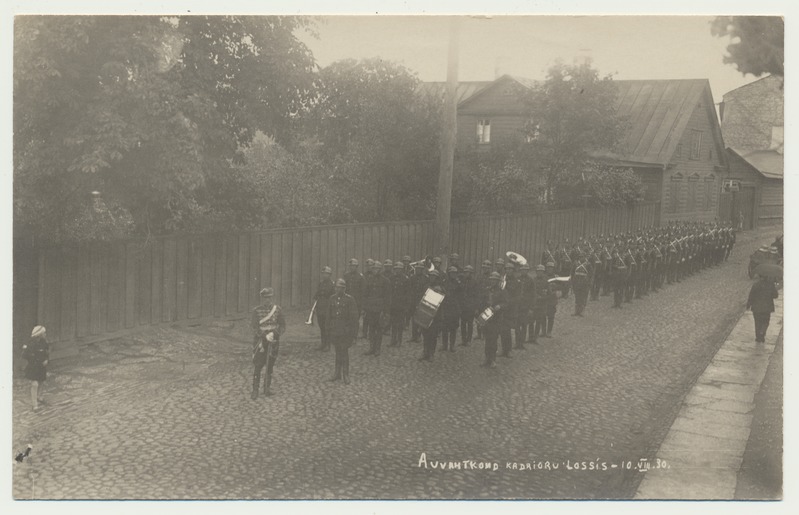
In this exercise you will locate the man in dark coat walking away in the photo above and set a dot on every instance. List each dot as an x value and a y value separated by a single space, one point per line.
342 326
37 353
761 302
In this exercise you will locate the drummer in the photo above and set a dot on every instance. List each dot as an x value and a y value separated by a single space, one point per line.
494 300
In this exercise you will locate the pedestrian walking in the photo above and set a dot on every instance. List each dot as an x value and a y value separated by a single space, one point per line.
37 353
342 319
761 302
268 324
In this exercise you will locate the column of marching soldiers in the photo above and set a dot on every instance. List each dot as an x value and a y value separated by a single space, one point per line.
512 302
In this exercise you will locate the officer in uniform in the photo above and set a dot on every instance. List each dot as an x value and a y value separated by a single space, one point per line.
324 291
398 307
267 324
376 297
342 320
496 299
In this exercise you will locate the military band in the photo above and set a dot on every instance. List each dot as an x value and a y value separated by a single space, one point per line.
510 306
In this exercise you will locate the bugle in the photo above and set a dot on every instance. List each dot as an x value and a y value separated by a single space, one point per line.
310 316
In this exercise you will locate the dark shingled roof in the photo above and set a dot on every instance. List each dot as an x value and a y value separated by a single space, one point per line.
768 162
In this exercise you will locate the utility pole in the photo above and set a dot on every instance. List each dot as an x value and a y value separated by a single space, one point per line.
444 202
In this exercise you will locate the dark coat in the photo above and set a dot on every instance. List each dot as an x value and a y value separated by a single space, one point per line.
325 289
761 297
355 286
376 293
342 319
37 353
399 293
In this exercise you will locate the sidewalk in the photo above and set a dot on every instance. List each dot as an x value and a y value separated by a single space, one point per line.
705 446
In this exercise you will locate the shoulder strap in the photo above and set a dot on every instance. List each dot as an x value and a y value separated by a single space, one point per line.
267 317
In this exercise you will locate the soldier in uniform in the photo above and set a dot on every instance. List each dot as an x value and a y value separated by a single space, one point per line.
499 267
580 286
430 334
542 288
451 309
632 275
470 303
482 284
417 285
527 302
515 290
342 320
268 324
369 270
509 320
619 280
551 301
398 308
324 291
495 298
455 260
354 281
376 296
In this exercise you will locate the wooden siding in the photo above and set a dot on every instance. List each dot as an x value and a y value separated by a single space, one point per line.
87 289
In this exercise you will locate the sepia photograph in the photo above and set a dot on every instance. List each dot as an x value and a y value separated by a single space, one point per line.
396 256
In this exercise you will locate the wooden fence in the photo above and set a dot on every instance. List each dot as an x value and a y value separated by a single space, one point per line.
91 289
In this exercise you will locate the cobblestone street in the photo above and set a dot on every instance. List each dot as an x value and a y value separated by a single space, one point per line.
166 413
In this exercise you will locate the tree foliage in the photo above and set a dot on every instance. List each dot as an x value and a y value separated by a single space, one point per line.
572 117
379 139
758 43
151 111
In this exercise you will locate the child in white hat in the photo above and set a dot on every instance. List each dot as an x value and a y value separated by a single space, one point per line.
37 353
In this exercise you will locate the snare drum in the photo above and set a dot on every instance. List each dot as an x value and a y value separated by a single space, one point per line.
485 316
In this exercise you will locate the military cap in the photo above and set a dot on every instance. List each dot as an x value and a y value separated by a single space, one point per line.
327 270
499 261
486 262
377 264
452 269
525 267
267 292
39 330
454 255
406 258
436 259
399 265
388 262
540 267
341 282
353 261
370 261
468 268
495 276
550 263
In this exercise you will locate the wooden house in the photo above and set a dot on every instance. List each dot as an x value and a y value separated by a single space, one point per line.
752 119
673 141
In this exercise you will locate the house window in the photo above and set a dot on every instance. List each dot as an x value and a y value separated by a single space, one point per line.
710 189
693 185
675 191
696 144
678 152
484 131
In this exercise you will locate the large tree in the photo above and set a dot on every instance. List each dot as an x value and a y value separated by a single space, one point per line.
572 118
757 43
150 111
379 139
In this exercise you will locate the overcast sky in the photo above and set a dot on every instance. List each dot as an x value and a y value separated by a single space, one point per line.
630 47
